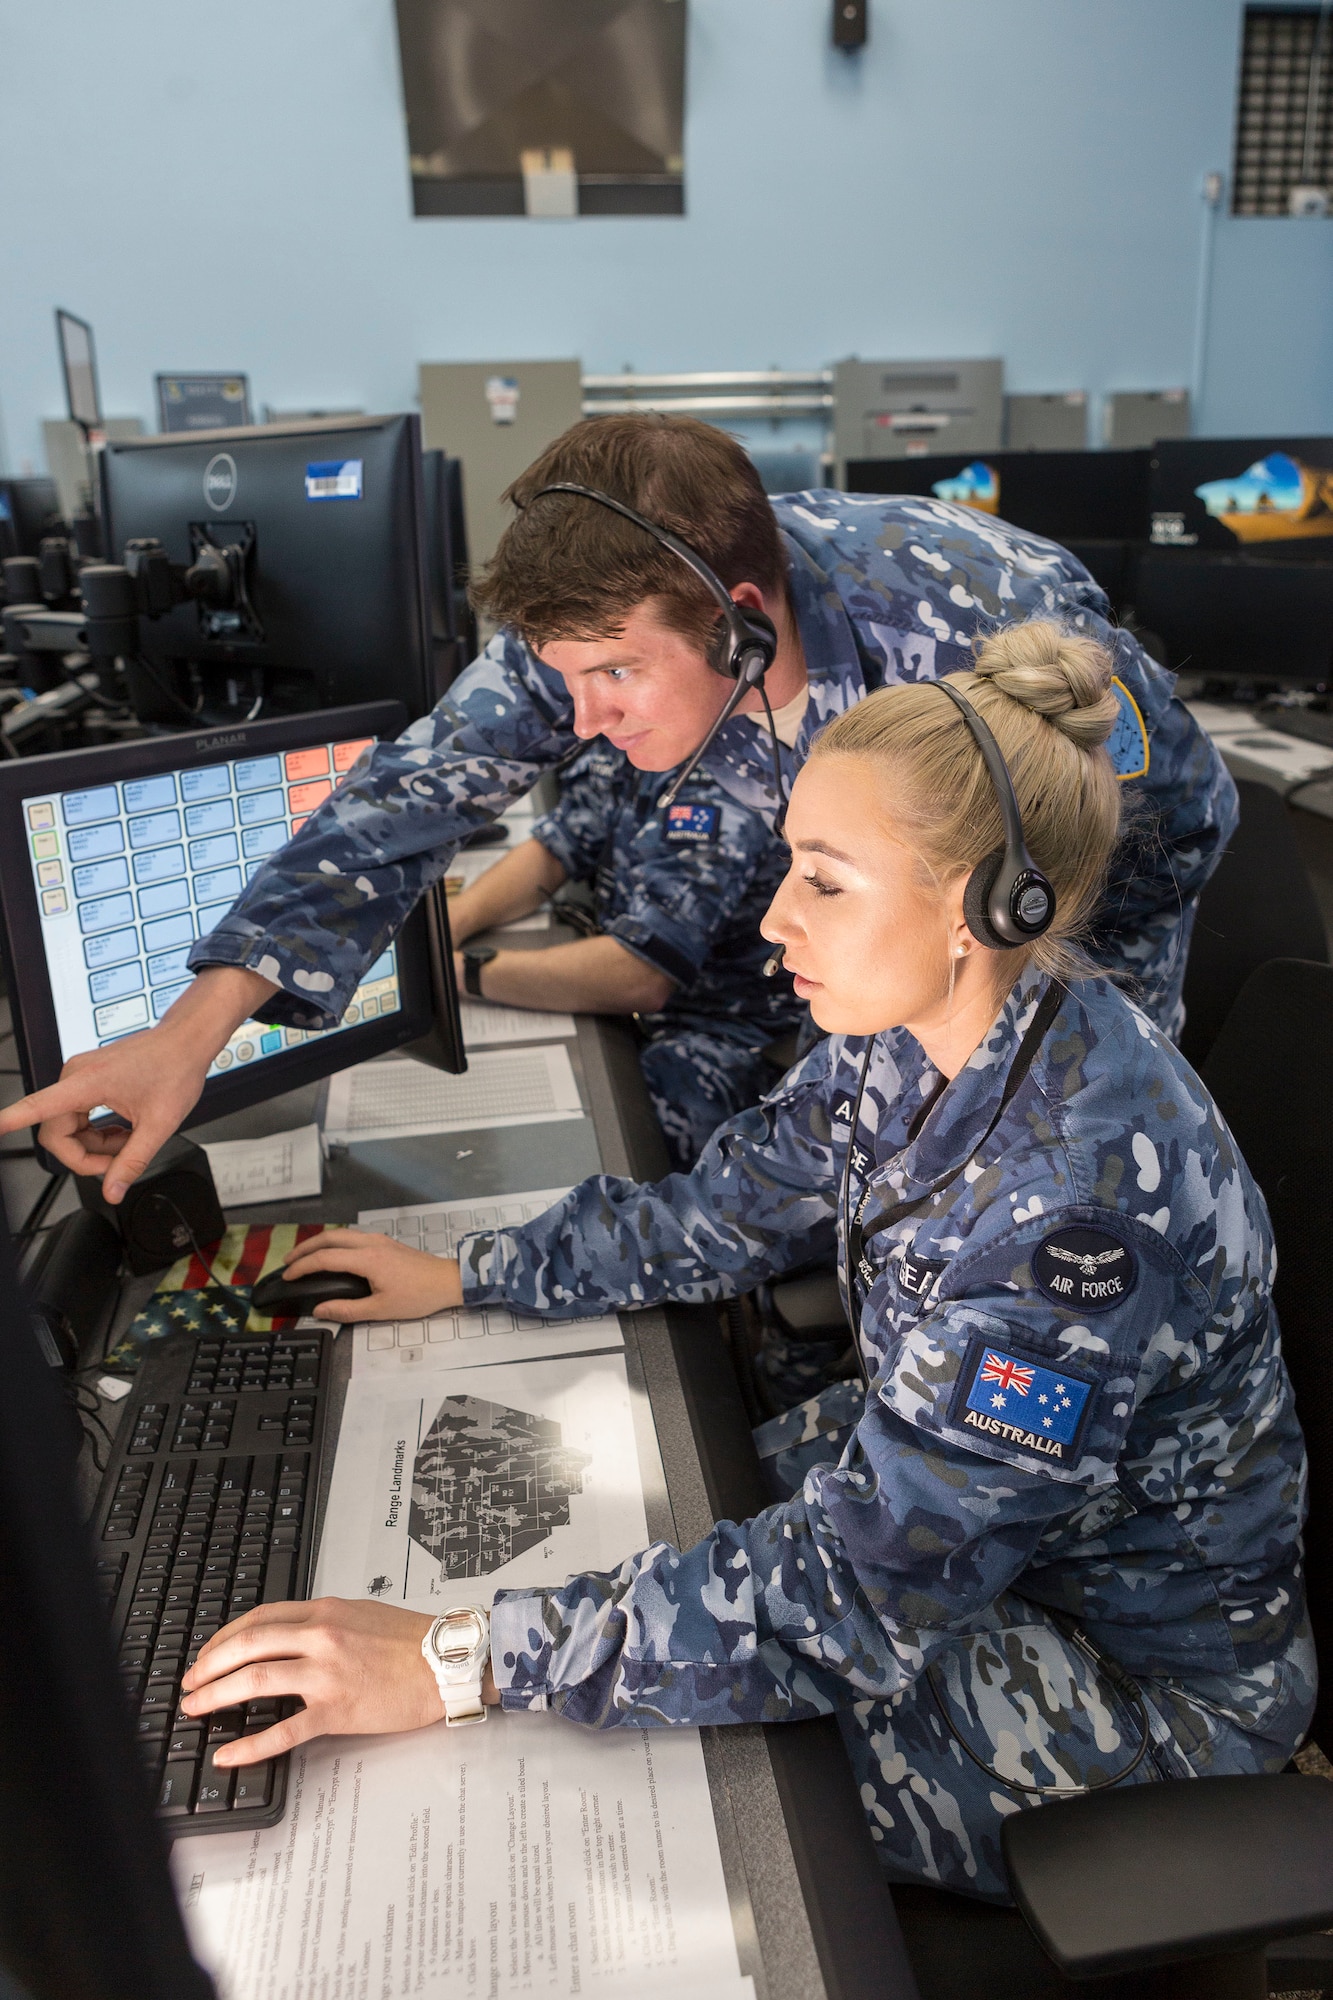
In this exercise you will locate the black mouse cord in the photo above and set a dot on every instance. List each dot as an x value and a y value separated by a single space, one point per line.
215 1283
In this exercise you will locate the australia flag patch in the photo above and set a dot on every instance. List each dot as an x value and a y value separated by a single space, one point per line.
692 826
1021 1402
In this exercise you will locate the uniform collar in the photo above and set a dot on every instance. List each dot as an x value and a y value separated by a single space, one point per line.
960 1117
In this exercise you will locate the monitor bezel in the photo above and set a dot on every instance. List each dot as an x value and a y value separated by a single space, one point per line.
95 423
33 1016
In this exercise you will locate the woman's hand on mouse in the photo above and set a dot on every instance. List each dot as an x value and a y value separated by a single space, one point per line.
405 1283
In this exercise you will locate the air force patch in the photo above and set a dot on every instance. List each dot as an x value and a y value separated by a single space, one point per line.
1018 1401
1087 1270
692 826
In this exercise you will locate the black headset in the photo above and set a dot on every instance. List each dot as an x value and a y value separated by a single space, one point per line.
744 648
1007 901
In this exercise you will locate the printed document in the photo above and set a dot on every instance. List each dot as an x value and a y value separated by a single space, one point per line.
485 1023
283 1167
395 1099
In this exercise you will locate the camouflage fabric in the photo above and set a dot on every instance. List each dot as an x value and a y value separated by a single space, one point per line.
686 892
1106 1434
884 591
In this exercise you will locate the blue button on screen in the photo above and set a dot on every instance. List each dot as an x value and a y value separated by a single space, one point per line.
212 853
214 816
159 865
115 984
111 948
164 897
164 996
99 878
147 794
167 965
222 882
213 782
262 840
89 843
103 913
252 772
258 807
151 832
81 808
168 931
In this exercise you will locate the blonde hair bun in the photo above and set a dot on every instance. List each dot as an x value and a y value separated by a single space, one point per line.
1064 676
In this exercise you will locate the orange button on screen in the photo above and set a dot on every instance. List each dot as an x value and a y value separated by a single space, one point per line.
304 798
346 754
307 763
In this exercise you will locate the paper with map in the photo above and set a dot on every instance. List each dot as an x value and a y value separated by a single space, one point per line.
471 1477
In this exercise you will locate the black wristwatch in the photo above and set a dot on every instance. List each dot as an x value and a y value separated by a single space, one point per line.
473 959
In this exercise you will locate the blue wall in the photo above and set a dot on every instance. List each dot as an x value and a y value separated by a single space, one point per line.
227 188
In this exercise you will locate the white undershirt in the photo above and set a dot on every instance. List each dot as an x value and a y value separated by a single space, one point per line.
787 720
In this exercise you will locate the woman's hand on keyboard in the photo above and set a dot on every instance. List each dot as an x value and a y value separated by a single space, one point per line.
357 1667
406 1283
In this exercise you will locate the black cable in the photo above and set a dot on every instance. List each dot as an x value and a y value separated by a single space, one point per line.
1124 1684
779 781
215 1283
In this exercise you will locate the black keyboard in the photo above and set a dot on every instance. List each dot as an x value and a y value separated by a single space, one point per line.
206 1511
1312 725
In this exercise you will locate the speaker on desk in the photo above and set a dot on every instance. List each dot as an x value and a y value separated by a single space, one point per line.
171 1208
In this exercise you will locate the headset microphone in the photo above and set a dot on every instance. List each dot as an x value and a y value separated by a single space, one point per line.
1007 901
745 648
773 963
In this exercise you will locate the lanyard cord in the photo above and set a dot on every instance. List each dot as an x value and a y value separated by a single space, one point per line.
854 1238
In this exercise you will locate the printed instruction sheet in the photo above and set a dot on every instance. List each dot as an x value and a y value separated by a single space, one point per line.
524 1856
283 1167
476 1335
484 1023
396 1099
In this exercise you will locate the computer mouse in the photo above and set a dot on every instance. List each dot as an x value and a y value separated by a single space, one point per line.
280 1297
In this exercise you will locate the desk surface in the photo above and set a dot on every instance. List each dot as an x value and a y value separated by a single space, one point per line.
812 1915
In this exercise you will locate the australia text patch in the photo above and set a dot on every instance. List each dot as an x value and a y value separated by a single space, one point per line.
916 1275
1087 1270
1021 1402
692 826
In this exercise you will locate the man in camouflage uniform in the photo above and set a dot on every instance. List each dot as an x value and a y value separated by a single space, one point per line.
685 891
880 591
1077 1457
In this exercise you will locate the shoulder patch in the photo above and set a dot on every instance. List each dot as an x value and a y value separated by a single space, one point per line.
1127 744
1088 1270
693 826
1020 1401
916 1275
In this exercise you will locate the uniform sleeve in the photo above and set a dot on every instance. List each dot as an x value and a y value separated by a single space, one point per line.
576 829
1178 819
759 1202
325 906
847 1592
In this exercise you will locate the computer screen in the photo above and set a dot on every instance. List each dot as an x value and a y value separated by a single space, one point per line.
29 510
326 525
114 860
1065 495
79 363
1235 495
1235 618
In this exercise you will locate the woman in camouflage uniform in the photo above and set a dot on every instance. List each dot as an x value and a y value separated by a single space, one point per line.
1053 1542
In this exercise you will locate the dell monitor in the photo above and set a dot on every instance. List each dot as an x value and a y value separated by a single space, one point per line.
320 528
114 860
1068 496
78 363
1245 496
453 627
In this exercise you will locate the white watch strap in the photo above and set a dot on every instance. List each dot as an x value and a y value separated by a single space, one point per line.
459 1668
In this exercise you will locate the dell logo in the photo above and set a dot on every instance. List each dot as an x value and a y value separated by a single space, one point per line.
220 481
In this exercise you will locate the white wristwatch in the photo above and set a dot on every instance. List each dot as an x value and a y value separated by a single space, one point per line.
456 1649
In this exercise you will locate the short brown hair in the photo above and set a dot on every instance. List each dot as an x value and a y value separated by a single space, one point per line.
568 569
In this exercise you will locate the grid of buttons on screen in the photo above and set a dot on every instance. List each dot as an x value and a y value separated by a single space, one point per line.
129 875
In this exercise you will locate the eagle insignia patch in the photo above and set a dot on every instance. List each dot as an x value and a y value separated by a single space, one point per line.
1087 1270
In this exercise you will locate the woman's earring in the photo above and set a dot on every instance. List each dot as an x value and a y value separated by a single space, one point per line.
960 951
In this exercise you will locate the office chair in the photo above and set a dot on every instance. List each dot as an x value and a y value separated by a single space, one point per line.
1206 1873
1258 905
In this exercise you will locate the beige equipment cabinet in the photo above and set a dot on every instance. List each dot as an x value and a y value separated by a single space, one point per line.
495 416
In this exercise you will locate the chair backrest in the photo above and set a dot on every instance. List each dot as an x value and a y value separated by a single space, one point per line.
1270 1071
1258 905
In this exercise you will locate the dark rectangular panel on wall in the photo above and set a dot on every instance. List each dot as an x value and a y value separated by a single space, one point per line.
486 82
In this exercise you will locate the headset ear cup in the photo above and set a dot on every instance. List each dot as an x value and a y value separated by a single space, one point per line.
976 900
719 652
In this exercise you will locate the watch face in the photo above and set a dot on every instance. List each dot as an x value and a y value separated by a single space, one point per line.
459 1636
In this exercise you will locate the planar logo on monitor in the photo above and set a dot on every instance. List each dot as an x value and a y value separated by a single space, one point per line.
235 740
220 481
